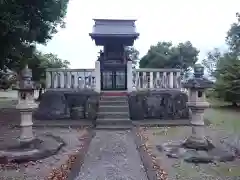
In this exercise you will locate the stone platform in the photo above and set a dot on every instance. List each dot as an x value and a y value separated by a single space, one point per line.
37 149
177 150
177 168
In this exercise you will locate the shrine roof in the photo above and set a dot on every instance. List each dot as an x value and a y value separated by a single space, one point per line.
114 28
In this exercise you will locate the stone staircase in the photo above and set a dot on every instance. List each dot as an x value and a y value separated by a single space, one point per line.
113 111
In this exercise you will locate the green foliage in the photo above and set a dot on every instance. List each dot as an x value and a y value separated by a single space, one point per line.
225 67
25 23
211 61
228 78
166 55
233 36
40 62
133 54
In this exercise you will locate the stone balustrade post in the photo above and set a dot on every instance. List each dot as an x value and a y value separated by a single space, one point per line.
178 80
144 80
151 80
48 79
55 80
129 76
157 80
75 85
61 73
164 80
171 80
136 86
97 77
69 79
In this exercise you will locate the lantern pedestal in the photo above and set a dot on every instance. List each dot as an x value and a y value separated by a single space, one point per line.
197 140
26 106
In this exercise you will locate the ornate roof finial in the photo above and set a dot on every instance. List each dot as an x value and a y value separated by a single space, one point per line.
198 81
198 71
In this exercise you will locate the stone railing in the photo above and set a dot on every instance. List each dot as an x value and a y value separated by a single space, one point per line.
142 79
70 78
156 79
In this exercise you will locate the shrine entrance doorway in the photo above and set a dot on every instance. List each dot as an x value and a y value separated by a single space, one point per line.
114 80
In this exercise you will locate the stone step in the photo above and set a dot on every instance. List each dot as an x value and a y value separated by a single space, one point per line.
115 108
113 98
112 103
108 121
114 93
113 127
113 115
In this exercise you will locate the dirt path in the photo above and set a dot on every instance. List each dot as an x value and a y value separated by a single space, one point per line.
112 155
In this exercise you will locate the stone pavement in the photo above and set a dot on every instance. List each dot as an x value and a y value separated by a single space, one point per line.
112 155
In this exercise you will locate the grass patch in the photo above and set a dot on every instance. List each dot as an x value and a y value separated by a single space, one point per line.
228 170
222 115
225 118
186 170
217 102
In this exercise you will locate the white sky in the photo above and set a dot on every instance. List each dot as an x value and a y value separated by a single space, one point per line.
203 22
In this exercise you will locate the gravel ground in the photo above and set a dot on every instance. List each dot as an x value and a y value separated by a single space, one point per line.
112 155
177 169
39 170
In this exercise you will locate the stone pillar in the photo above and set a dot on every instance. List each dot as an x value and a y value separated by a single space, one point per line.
134 74
62 79
97 77
69 79
55 80
164 81
75 85
48 79
144 80
151 80
178 80
129 76
171 80
157 80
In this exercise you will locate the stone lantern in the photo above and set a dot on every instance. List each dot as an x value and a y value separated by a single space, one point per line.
197 103
197 148
26 104
29 147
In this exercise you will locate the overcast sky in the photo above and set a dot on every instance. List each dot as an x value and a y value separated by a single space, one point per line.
203 22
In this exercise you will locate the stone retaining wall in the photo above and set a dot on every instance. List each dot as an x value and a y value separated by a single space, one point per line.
166 104
68 105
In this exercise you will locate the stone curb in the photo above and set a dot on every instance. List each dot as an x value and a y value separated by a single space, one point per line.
161 123
59 124
145 157
80 157
73 126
